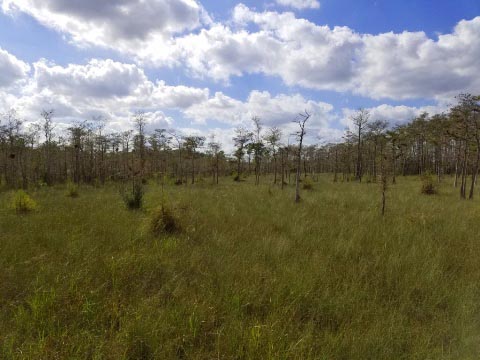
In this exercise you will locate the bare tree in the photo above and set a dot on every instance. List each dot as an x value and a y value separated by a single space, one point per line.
214 150
192 143
48 128
140 123
360 121
301 120
273 137
258 148
376 130
178 140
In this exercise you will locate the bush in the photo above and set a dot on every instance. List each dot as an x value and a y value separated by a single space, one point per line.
163 221
307 184
134 200
72 190
22 202
428 186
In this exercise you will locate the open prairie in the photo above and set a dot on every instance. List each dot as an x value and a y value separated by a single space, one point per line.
245 274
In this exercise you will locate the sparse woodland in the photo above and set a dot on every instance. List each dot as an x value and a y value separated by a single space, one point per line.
443 144
230 267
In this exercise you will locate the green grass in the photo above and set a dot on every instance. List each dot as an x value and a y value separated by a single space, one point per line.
251 276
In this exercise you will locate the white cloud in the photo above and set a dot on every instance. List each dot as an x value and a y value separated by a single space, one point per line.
11 69
300 4
123 23
103 88
178 33
273 110
114 91
98 78
177 97
399 66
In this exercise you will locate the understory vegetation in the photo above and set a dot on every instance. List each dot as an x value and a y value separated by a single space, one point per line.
239 271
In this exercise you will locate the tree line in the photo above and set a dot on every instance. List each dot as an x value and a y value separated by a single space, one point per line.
446 144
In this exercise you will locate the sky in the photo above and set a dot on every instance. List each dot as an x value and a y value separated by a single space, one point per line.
207 67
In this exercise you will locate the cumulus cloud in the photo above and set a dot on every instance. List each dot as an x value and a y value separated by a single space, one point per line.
399 66
273 110
98 78
383 66
120 22
11 69
105 88
114 91
179 33
300 4
410 65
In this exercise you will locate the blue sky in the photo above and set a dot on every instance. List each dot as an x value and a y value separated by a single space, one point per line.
221 62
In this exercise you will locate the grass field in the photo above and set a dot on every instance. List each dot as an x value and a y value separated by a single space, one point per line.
251 275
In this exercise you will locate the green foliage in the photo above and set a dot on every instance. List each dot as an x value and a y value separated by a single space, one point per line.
21 202
307 183
428 185
72 190
134 199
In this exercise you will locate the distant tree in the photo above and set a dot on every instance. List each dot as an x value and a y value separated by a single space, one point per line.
273 138
140 121
360 121
48 127
77 135
258 148
13 142
241 139
191 144
215 153
179 141
302 119
375 132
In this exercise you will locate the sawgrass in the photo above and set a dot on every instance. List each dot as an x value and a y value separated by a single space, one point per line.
250 275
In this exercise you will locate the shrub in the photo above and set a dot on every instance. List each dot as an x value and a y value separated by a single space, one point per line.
163 221
22 202
428 186
307 184
72 190
134 199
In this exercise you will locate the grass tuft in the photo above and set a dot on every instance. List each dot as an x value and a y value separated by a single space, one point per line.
22 203
163 221
133 200
428 186
72 190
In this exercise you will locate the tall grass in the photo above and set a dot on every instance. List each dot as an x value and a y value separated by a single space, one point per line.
250 276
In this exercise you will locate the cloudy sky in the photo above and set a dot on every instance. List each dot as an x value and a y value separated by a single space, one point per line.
208 67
